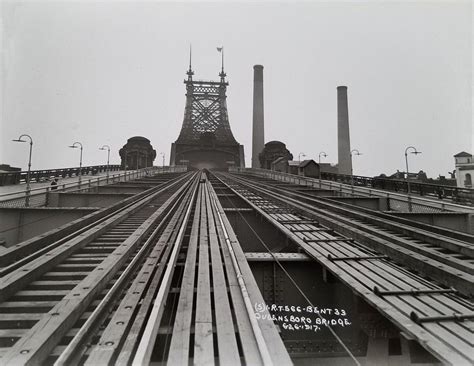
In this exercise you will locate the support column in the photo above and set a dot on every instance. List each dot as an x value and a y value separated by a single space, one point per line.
258 138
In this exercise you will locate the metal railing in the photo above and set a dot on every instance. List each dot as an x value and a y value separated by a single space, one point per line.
464 196
396 201
39 196
18 177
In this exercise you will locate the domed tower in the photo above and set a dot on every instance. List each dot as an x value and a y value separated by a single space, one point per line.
272 151
137 153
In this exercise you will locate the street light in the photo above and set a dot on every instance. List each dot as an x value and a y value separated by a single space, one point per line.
416 152
352 169
319 162
28 187
163 155
75 146
106 147
301 155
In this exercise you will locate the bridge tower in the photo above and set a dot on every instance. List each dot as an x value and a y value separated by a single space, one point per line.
206 140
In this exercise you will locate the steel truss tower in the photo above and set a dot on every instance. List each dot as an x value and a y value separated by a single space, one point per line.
206 140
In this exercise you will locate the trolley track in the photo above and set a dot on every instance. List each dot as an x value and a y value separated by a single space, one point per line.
46 296
437 317
161 279
444 258
21 253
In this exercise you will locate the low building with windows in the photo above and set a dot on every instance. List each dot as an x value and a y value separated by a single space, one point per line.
464 169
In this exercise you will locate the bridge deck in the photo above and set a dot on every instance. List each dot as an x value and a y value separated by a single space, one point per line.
161 276
370 274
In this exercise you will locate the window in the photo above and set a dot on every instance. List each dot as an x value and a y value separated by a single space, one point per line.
468 181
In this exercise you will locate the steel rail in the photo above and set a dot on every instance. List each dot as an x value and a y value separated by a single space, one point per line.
292 280
346 188
78 341
44 335
301 190
96 218
262 346
439 265
457 235
147 342
387 222
118 339
395 307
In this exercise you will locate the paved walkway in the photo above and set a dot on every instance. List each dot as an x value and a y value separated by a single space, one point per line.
21 188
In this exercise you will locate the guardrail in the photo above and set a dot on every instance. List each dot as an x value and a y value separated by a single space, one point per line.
455 194
39 196
10 178
396 201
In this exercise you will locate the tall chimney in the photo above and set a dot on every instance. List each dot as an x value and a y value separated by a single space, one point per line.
258 139
343 137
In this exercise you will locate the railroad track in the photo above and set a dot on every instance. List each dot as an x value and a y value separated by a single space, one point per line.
442 254
157 277
372 255
43 297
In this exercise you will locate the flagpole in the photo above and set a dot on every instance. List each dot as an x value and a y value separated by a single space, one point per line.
190 55
222 59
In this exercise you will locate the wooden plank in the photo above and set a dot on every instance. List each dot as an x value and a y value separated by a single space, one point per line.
274 343
179 346
226 341
122 332
46 333
40 306
133 335
244 328
442 351
203 337
150 332
367 275
53 285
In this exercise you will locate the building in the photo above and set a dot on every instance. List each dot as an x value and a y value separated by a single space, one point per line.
293 166
308 168
280 165
329 168
137 153
464 169
272 151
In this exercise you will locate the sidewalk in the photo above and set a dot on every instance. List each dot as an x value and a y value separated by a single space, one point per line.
21 188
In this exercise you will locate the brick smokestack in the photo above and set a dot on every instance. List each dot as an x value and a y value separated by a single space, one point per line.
258 137
343 136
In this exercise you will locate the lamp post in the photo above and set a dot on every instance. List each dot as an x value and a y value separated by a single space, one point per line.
28 186
163 156
106 147
319 162
301 155
416 152
353 152
75 146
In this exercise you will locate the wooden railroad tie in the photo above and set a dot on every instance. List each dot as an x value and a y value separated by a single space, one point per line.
348 240
413 291
440 318
283 222
359 258
328 231
274 211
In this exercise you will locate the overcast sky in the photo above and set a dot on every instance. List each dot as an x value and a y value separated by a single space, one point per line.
101 72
